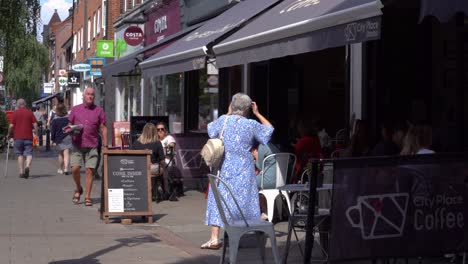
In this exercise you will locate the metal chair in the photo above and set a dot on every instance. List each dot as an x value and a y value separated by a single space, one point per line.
284 164
298 218
125 137
234 229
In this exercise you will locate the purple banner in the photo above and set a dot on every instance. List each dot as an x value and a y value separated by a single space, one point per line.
399 207
188 158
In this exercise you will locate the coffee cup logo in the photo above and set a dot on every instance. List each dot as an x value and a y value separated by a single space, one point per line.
379 216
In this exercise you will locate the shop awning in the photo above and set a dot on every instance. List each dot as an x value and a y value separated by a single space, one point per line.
443 10
129 62
299 26
189 53
45 99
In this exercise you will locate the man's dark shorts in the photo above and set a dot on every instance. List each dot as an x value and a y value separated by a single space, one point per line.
23 147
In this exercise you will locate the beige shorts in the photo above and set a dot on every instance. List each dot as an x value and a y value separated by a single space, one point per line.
88 156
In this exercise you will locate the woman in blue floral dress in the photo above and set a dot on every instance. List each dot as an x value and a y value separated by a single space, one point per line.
238 168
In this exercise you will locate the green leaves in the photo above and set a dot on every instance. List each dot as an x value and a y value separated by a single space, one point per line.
26 60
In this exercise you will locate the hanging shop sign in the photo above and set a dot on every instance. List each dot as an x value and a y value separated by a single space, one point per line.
133 35
81 67
62 72
96 66
105 48
49 87
63 81
73 79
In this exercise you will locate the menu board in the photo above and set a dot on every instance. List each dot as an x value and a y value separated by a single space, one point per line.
127 182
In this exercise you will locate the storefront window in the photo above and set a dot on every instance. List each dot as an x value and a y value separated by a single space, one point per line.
168 100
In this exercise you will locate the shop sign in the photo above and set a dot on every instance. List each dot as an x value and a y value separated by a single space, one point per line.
212 80
160 24
163 22
133 35
212 90
81 67
73 79
105 48
63 81
49 87
62 72
96 66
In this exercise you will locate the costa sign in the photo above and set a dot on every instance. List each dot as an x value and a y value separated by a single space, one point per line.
133 35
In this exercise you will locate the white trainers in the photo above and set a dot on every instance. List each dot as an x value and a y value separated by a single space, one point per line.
60 171
264 216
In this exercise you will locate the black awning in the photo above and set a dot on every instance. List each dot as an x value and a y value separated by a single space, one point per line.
299 26
125 64
129 62
443 10
45 99
189 53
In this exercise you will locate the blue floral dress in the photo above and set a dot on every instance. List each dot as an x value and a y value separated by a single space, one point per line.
238 167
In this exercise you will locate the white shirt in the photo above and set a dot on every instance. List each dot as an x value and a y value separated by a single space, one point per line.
165 142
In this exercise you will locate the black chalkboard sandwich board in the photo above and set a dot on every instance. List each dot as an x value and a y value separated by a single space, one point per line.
127 184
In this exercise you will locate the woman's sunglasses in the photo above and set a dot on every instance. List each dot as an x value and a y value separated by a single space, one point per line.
160 129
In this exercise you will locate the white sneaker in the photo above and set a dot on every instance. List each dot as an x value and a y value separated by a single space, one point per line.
60 171
264 216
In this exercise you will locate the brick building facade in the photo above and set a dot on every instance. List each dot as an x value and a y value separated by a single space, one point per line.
92 21
60 33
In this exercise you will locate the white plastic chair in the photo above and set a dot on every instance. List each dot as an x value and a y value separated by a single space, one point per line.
234 229
285 164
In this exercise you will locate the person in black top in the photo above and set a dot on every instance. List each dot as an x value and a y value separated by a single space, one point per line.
62 140
386 146
148 140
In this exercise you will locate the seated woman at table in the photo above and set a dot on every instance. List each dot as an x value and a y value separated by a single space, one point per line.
148 140
260 152
307 146
418 140
360 145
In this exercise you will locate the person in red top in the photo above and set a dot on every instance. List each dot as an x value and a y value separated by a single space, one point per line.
21 127
307 146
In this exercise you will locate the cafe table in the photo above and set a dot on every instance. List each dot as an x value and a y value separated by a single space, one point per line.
301 215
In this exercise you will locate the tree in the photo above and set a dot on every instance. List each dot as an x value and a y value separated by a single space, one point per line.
25 59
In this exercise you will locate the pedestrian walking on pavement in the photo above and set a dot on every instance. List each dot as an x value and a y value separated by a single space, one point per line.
22 124
62 140
91 119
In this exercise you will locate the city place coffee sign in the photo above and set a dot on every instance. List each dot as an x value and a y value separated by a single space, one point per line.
396 208
133 35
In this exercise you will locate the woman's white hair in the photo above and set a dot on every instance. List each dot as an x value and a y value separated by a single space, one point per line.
240 104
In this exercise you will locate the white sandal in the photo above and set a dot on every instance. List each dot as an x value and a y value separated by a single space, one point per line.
212 244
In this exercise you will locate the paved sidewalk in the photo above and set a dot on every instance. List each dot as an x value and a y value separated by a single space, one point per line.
40 224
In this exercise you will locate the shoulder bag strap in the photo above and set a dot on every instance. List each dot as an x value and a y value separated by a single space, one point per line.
221 136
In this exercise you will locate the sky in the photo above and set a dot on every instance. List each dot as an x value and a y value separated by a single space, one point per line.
48 7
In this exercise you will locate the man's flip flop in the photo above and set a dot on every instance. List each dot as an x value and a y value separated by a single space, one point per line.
88 202
77 195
